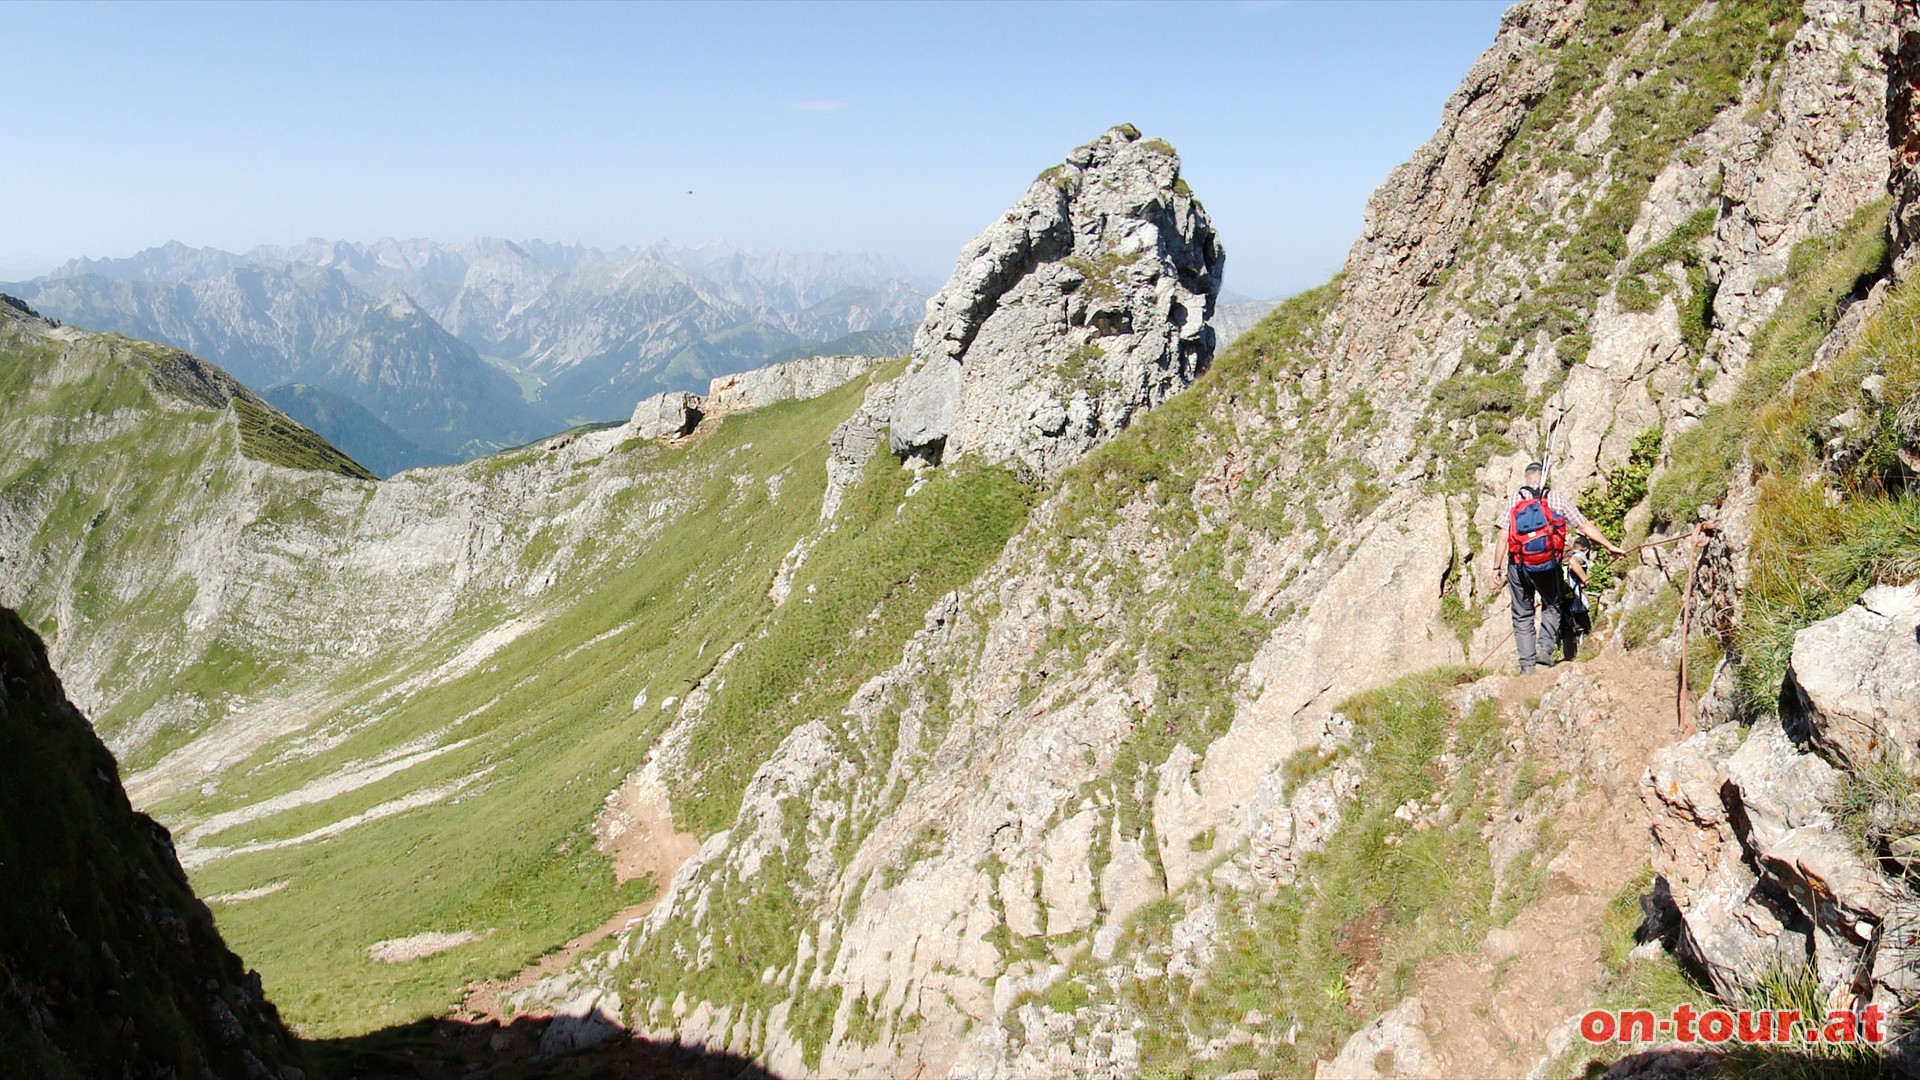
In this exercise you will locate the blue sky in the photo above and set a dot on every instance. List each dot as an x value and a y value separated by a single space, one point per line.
901 129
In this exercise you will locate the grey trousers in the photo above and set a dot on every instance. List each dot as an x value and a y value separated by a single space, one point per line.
1522 587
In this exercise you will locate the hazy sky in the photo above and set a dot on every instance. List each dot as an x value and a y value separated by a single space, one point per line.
901 129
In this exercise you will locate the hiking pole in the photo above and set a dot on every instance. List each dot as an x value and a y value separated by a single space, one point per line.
1546 452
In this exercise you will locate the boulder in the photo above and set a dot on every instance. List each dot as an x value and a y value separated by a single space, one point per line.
1084 304
1854 681
665 416
588 1020
1392 1044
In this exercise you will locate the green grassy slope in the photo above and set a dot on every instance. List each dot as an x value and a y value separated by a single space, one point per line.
540 734
404 795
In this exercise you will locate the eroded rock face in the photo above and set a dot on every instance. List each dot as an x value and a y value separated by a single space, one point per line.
1085 303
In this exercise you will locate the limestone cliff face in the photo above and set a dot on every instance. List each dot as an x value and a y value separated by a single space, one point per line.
1087 302
109 965
1586 251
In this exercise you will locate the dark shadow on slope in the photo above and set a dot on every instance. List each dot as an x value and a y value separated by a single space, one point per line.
448 1049
1675 1062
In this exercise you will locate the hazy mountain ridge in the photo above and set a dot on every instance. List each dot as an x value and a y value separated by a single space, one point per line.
589 332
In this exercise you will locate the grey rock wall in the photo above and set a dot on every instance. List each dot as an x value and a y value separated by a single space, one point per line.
1085 303
676 413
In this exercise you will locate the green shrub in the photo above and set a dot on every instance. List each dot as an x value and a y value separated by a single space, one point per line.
1465 395
1607 501
1652 620
268 435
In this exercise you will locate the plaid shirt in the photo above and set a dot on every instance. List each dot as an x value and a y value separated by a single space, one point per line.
1556 502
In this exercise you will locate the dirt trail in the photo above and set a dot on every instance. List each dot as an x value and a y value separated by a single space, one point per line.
1489 1013
485 1000
635 829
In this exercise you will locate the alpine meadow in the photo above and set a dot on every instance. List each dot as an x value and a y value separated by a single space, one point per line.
522 659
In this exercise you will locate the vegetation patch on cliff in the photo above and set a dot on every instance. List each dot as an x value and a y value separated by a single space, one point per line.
1298 970
1823 274
866 587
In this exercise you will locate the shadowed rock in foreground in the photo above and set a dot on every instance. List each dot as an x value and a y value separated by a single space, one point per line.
109 966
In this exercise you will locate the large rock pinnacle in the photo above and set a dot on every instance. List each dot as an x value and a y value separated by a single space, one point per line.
1085 303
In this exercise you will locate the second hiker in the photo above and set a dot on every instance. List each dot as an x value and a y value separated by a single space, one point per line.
1529 544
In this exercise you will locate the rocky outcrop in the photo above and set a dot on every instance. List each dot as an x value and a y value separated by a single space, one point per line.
795 380
1392 1044
676 413
109 965
1087 302
1747 833
1855 683
671 415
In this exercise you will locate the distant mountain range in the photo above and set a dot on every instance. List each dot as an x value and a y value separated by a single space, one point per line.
412 352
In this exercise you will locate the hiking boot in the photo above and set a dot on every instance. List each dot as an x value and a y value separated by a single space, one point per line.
1544 661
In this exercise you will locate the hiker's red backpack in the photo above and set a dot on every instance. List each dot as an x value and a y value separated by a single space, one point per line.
1536 533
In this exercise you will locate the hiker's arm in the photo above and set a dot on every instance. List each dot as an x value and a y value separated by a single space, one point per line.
1594 534
1498 561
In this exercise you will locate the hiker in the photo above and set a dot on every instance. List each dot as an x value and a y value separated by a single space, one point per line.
1576 619
1532 534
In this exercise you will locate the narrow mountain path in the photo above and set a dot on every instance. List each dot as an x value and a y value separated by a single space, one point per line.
636 830
486 1000
1492 1011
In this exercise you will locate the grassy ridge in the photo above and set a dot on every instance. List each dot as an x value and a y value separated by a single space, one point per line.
123 444
864 589
550 726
